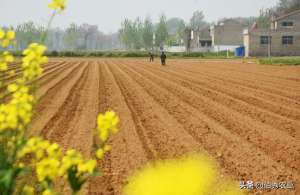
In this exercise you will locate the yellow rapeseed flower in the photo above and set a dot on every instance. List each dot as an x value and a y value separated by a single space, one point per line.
6 38
5 59
87 167
58 5
47 169
40 148
107 148
100 153
191 176
48 192
2 33
71 158
32 61
107 123
17 113
12 87
54 151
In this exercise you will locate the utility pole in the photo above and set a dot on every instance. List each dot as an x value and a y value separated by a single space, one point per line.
270 43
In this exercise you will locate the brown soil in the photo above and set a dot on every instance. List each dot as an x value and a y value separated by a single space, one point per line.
246 116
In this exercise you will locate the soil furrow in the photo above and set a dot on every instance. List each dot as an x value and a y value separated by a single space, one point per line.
245 131
252 166
126 143
57 127
52 98
240 94
243 81
243 71
245 116
154 119
229 100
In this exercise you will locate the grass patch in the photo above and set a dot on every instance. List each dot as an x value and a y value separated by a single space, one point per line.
280 61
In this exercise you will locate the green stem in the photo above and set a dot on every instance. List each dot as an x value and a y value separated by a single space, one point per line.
48 27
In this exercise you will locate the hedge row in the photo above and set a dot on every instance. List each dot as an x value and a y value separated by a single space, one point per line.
136 54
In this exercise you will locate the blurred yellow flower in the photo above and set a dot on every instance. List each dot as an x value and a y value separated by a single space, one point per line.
12 87
5 58
100 153
54 151
47 169
58 5
2 33
32 61
193 175
48 192
6 38
107 148
87 167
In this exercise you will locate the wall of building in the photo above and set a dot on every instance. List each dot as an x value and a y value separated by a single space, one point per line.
295 18
255 48
228 33
200 35
252 40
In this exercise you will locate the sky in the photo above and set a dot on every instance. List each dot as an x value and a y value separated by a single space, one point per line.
108 14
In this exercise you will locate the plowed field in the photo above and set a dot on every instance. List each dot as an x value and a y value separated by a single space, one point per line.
246 116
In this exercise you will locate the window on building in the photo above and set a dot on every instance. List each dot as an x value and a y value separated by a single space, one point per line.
287 24
265 40
205 43
287 40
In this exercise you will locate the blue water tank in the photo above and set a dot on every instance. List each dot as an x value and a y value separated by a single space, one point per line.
240 51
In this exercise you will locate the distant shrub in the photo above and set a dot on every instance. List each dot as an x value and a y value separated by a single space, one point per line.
54 53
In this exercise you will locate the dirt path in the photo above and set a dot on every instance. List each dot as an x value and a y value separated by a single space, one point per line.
246 116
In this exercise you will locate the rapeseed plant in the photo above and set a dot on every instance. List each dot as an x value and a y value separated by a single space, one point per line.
107 124
21 155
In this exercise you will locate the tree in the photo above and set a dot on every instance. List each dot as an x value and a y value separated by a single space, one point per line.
131 33
161 31
197 20
125 33
180 34
174 25
70 37
137 33
263 21
286 6
289 5
148 33
27 33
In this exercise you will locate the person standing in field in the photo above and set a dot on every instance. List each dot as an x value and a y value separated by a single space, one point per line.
163 58
151 57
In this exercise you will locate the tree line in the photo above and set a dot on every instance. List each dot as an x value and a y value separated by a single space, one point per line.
133 34
138 33
73 38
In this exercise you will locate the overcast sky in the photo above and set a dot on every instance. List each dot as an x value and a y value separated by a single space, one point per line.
108 14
